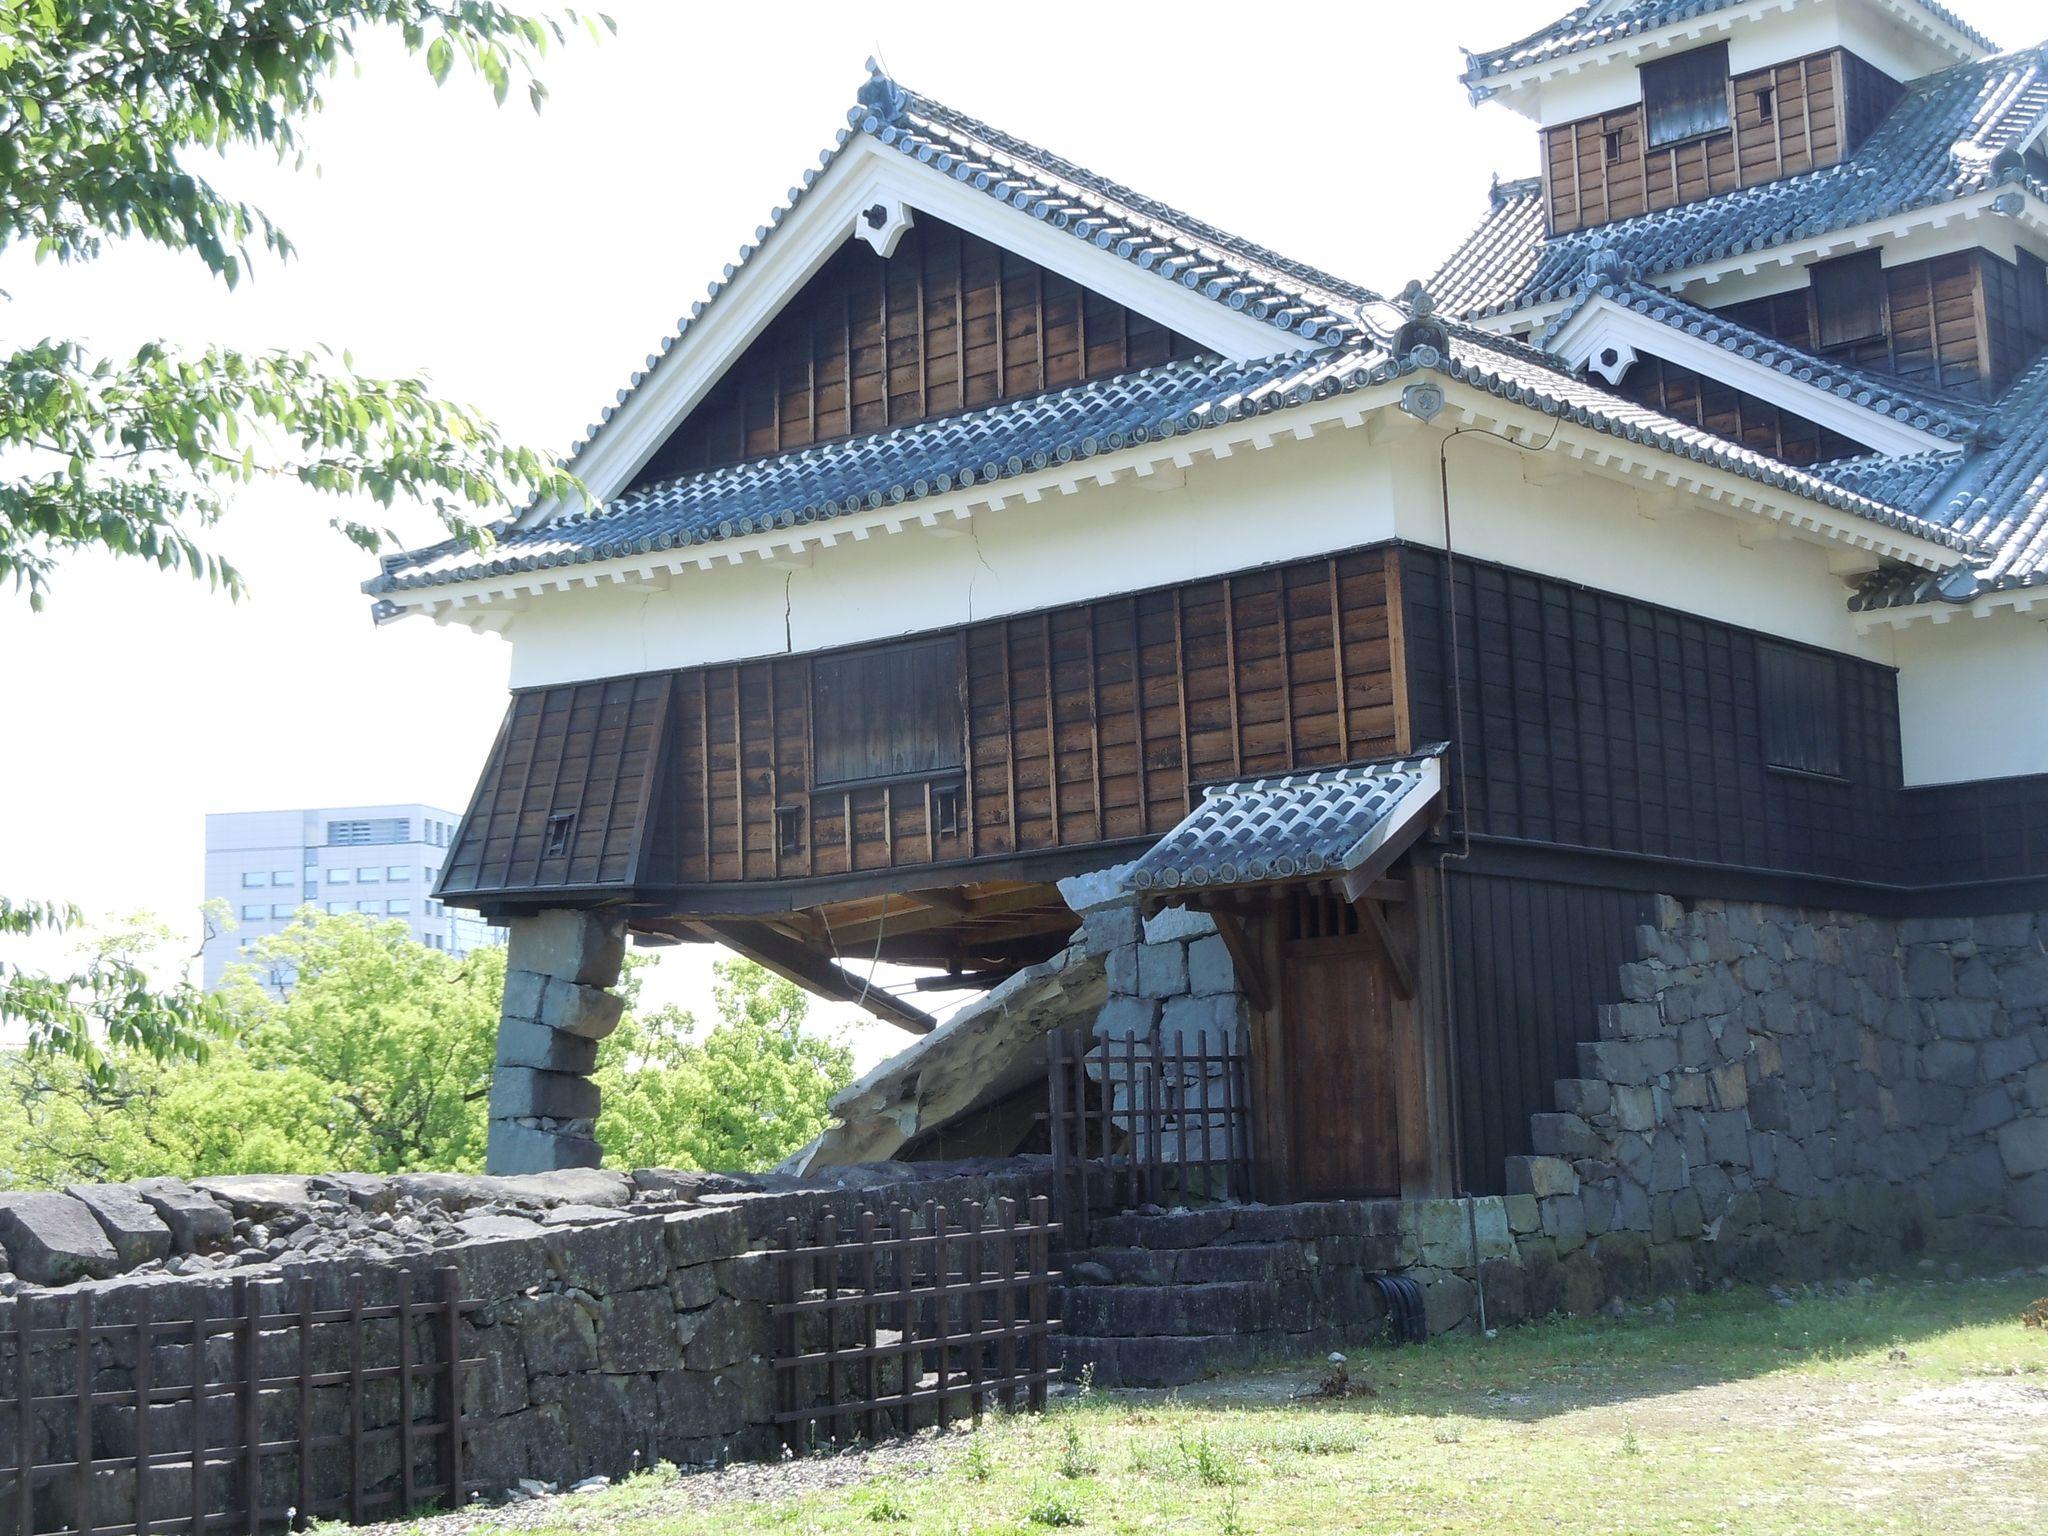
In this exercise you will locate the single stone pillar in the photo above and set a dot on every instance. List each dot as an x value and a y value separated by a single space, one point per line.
543 1103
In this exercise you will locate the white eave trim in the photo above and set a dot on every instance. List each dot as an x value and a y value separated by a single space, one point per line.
479 602
1913 17
2031 214
2012 599
866 172
1605 323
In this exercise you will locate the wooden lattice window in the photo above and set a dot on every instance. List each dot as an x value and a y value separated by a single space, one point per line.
887 714
1686 96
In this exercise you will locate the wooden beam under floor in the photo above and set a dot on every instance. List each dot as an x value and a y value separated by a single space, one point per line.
813 972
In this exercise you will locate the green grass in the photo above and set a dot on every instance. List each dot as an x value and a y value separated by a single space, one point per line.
1918 1406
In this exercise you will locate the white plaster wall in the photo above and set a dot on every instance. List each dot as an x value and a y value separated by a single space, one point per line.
1973 697
1337 491
1806 27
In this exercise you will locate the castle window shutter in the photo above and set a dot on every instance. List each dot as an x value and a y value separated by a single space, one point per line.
891 713
1849 300
1686 96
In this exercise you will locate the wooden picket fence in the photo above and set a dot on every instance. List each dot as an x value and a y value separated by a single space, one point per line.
912 1320
291 1427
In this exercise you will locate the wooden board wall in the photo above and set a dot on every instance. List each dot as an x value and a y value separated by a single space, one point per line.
1599 722
1532 961
948 323
1085 724
1953 324
1712 406
1600 168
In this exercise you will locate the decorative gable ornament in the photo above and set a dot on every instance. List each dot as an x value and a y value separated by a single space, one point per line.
881 223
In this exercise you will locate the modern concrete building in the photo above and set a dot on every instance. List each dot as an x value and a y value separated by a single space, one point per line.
377 860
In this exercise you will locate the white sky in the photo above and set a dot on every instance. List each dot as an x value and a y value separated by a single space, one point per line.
529 264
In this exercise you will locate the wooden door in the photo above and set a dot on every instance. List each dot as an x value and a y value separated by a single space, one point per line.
1340 1067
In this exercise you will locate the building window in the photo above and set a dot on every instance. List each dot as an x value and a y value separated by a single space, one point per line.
284 877
369 875
251 877
1686 96
339 908
253 913
281 909
561 828
372 907
398 908
1849 300
398 872
1614 147
387 829
1766 104
1799 695
886 714
340 876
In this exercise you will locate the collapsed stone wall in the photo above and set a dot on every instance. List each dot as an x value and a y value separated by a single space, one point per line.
1783 1088
622 1320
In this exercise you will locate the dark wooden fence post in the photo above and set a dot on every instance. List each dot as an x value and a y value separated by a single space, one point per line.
248 1305
82 1406
1041 1255
145 1390
452 1473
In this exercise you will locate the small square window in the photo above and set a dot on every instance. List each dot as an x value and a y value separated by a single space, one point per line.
561 828
254 913
252 877
398 872
282 909
789 829
946 810
369 876
284 877
1614 147
398 908
1766 104
340 876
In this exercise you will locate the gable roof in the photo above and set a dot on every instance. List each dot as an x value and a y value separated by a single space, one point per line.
1599 23
1818 386
1997 498
1943 142
1153 237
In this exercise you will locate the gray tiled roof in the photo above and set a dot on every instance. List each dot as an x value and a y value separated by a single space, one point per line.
1149 234
1019 437
1294 826
1872 391
1604 21
1899 480
1943 141
1997 497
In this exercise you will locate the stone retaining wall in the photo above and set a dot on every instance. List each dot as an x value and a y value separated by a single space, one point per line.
612 1336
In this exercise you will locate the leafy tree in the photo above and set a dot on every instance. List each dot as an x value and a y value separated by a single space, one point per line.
379 1059
401 1037
745 1096
107 107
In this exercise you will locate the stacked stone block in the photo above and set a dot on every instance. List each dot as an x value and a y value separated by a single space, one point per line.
559 965
1782 1089
1171 986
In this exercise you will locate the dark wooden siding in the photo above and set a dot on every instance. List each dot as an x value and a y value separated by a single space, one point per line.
1950 324
1988 829
1599 169
948 323
1741 418
1532 961
1088 724
1595 721
586 752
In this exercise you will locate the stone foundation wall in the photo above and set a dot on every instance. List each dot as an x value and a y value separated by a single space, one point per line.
611 1335
1777 1074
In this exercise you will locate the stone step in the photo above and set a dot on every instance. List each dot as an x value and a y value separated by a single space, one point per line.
1177 1360
1144 1311
1220 1225
1197 1266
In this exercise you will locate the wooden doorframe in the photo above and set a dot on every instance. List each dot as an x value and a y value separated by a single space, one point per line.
1399 934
